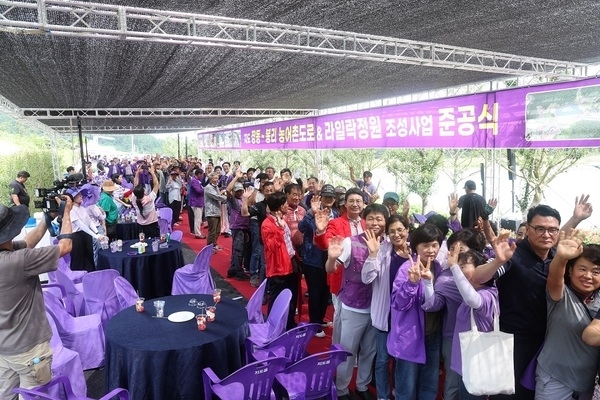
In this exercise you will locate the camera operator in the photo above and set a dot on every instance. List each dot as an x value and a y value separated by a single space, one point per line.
25 354
18 192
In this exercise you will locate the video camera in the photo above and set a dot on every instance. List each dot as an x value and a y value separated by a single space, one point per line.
48 202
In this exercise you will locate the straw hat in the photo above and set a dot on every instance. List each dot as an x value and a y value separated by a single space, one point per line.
108 186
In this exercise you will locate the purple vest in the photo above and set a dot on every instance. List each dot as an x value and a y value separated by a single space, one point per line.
354 293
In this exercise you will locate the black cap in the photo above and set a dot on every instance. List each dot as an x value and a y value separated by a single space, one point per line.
328 190
470 185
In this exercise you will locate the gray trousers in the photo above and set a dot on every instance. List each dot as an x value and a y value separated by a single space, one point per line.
357 336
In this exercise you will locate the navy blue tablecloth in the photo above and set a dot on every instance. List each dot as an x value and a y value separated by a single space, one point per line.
156 359
128 230
150 273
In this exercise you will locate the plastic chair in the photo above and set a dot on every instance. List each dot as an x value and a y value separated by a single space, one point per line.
66 362
100 294
164 226
126 294
261 334
312 377
59 291
177 235
195 278
291 344
81 334
254 306
74 292
251 382
41 392
166 213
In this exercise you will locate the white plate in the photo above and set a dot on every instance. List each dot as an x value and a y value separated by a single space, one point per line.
138 244
181 316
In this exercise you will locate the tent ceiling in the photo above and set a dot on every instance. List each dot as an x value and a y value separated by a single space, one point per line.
46 71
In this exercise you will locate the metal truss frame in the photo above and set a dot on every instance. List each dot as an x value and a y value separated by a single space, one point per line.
62 113
93 20
128 129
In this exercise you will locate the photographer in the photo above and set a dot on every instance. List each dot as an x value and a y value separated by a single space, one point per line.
25 354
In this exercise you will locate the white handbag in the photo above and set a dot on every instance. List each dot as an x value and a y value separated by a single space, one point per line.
487 360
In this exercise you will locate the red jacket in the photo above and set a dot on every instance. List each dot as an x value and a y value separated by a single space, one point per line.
277 258
339 226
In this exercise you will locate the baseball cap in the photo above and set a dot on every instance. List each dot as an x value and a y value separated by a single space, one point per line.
237 186
470 185
340 190
328 190
391 196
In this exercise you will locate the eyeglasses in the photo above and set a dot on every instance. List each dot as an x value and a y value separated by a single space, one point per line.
540 230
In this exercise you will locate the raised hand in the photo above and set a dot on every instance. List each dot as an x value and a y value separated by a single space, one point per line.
321 220
414 272
583 209
453 202
372 242
493 203
426 271
569 245
248 192
453 255
315 204
334 251
238 173
503 249
279 217
405 207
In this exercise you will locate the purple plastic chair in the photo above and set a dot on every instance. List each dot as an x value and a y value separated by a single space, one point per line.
254 306
100 294
166 213
74 292
44 391
164 226
177 235
291 344
59 291
261 334
312 377
81 334
251 382
159 203
195 278
66 362
125 292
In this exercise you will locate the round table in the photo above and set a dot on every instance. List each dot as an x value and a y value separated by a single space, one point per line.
155 358
128 230
150 273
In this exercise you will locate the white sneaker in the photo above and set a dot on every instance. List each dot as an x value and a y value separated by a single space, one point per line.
320 334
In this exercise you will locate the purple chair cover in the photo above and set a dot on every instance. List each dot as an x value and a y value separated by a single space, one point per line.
251 382
260 334
125 292
177 235
164 226
66 362
254 306
291 344
166 213
44 391
59 291
312 377
100 294
63 265
159 203
74 292
195 278
81 334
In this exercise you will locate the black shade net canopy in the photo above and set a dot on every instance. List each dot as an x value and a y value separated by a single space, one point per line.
45 69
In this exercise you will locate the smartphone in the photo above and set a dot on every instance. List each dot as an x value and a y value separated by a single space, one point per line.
257 184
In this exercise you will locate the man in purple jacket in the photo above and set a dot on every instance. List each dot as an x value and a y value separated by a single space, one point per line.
196 201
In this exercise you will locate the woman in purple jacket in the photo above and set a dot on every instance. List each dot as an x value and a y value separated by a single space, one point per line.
196 201
414 339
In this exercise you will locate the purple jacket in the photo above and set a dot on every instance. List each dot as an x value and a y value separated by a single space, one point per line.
406 339
196 194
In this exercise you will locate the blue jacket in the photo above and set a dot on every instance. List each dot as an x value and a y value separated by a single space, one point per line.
311 254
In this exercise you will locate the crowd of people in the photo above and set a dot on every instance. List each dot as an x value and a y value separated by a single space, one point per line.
402 286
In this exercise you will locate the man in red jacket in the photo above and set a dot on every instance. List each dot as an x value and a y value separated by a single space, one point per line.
345 226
